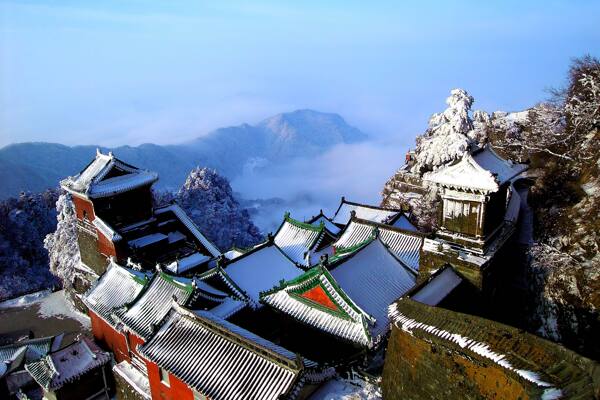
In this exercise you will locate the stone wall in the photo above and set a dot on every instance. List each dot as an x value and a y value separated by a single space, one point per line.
424 364
88 248
418 369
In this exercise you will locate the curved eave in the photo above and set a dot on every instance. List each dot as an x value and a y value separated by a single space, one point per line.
96 191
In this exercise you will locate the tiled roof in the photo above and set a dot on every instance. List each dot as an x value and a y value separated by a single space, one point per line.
92 181
351 300
28 350
437 287
187 263
189 224
154 304
228 307
405 245
327 222
315 298
66 365
370 213
482 171
116 288
297 239
221 360
404 223
258 270
374 278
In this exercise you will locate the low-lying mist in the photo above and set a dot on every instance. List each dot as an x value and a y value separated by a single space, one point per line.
305 185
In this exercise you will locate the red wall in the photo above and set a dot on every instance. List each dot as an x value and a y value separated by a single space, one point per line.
134 342
177 390
110 337
105 246
82 205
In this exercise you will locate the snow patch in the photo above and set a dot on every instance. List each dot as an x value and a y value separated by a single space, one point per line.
25 300
56 305
342 389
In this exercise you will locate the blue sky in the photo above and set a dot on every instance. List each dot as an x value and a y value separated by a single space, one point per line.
128 72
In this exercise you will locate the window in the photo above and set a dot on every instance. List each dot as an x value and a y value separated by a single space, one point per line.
199 396
85 215
164 376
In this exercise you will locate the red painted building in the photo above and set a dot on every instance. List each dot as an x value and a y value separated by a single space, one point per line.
108 194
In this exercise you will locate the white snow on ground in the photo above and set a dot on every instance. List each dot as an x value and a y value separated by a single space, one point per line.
25 300
342 389
56 305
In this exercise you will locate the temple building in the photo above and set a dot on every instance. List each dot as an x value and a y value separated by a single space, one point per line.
77 371
185 321
250 367
480 208
342 301
14 378
404 244
303 243
116 218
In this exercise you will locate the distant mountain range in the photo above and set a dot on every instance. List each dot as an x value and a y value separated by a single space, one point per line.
302 133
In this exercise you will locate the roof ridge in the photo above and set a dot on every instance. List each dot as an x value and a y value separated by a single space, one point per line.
300 224
388 227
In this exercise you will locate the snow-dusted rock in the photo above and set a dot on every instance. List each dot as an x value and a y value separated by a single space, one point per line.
208 199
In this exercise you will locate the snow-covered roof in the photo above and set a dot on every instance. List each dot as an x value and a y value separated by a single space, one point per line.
374 278
233 253
222 360
147 240
116 288
154 304
106 229
437 287
297 239
105 176
404 244
186 263
351 300
258 270
363 211
404 223
28 350
326 221
189 224
66 365
228 307
316 299
483 171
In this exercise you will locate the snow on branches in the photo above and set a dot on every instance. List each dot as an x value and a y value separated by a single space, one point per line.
447 137
62 246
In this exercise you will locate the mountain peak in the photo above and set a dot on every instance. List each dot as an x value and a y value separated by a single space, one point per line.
314 127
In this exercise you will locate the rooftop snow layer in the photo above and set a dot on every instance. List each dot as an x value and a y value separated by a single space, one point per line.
65 365
363 211
484 170
260 270
297 239
404 245
116 288
222 361
155 303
